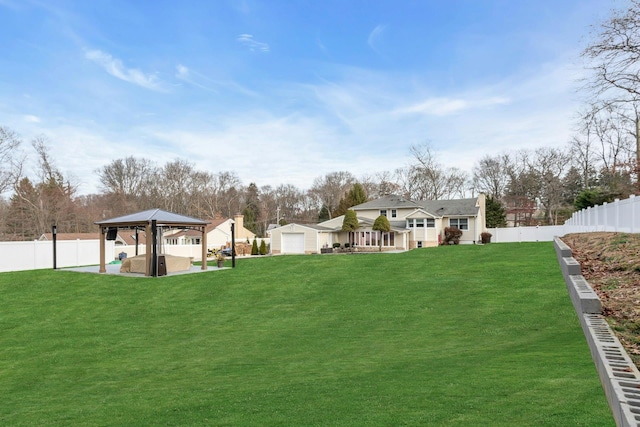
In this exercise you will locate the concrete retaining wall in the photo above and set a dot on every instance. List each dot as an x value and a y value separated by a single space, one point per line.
619 376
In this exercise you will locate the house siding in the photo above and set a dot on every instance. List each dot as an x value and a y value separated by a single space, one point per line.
310 238
440 211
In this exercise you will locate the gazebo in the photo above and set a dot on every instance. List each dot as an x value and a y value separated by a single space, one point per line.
150 221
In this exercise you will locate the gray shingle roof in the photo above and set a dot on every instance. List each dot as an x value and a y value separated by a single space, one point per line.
145 217
439 208
459 207
387 202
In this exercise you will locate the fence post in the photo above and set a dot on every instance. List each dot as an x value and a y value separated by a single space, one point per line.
632 199
617 214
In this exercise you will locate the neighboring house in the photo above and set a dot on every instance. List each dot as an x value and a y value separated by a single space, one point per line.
414 224
218 233
123 238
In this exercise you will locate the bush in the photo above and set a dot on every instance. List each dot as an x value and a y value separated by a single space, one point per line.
346 245
452 235
254 247
485 237
263 248
336 245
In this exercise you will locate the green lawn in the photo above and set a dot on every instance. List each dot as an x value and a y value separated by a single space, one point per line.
448 336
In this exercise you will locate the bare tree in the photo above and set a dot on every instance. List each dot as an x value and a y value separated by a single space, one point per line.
549 165
491 175
583 148
126 176
329 189
427 179
614 61
10 162
35 208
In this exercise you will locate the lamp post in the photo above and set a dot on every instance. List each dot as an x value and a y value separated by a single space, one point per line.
233 244
54 233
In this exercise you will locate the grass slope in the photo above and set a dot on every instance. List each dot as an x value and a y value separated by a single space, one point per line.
464 335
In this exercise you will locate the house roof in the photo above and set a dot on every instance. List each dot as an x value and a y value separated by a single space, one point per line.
71 236
316 227
390 201
438 208
145 217
458 207
215 223
129 237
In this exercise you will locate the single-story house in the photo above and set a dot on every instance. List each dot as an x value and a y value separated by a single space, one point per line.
123 238
218 233
414 224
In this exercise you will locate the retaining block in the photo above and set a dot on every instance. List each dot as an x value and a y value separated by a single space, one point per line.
562 249
570 267
583 297
618 374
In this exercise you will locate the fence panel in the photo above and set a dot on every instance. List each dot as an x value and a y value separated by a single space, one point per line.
18 256
618 216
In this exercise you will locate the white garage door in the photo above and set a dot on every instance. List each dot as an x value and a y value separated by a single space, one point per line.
293 243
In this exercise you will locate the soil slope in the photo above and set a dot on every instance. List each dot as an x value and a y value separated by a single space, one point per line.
611 264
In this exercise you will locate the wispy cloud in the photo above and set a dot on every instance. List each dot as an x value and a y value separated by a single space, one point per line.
203 82
448 106
253 45
374 36
186 75
31 118
116 68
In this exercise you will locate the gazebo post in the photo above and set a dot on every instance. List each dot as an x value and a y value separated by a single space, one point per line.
203 243
149 249
103 268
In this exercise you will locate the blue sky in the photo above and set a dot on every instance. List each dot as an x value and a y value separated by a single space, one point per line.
286 91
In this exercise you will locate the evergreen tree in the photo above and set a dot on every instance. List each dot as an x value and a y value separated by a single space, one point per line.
355 196
382 225
251 212
495 213
249 221
263 247
254 247
324 214
588 198
350 224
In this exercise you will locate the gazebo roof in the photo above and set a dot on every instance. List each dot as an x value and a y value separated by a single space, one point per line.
161 217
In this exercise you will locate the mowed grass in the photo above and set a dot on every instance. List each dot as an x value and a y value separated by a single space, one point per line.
449 336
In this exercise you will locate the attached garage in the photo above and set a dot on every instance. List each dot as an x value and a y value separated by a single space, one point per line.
292 243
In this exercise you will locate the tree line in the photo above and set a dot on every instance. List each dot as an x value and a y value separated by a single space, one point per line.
542 186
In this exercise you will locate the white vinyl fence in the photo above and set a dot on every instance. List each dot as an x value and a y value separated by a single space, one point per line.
33 255
526 234
619 216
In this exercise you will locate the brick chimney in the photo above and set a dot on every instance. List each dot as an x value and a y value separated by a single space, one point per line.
239 220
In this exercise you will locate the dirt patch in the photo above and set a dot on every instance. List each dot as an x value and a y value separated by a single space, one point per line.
611 264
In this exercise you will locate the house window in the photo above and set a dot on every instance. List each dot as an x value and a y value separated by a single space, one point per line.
383 212
394 213
461 223
373 238
420 222
430 222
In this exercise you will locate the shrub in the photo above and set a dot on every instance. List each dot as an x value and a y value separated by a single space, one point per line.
254 247
336 245
346 245
263 248
485 237
452 235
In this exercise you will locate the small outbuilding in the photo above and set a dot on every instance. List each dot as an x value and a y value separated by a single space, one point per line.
150 221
